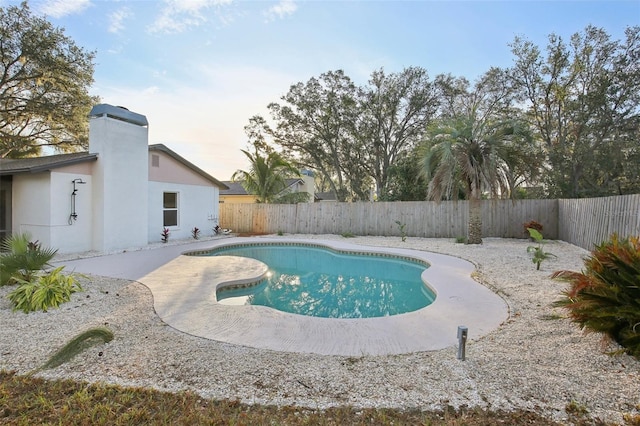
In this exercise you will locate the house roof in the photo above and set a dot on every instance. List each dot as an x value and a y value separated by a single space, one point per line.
163 148
236 188
10 166
326 196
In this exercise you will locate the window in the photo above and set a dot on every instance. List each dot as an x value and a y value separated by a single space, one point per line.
155 160
170 209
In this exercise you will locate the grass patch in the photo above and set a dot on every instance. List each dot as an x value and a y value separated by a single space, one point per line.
551 317
26 400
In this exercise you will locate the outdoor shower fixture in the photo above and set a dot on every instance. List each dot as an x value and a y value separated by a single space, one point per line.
74 216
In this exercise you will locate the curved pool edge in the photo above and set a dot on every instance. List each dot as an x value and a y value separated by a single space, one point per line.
184 298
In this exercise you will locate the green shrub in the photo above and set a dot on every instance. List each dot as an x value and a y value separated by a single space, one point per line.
21 259
539 255
605 296
403 231
45 291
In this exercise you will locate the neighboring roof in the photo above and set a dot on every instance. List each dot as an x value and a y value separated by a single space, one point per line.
326 196
235 188
162 148
293 181
10 166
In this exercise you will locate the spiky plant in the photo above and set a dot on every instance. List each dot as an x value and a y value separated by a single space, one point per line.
78 344
21 258
605 296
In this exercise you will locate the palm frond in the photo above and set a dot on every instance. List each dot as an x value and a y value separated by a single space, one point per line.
21 258
605 297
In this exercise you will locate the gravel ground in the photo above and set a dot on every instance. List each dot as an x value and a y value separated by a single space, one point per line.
537 360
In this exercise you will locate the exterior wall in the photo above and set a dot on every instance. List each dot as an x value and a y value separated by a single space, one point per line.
31 207
42 207
197 198
84 169
309 186
197 207
71 235
237 199
170 170
120 186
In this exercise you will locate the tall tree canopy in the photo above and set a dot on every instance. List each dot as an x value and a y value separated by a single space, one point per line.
583 98
395 110
314 125
568 119
44 82
351 136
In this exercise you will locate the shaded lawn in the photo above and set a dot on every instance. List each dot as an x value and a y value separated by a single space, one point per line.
28 400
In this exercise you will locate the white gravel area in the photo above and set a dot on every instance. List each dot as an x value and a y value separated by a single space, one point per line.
537 360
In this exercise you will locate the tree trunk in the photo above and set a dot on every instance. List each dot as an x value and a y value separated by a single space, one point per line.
475 221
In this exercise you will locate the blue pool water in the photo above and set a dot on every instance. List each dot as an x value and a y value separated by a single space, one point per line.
320 282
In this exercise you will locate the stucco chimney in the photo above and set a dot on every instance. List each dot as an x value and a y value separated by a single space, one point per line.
120 181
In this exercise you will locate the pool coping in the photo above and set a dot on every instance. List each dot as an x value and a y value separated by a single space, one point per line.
184 298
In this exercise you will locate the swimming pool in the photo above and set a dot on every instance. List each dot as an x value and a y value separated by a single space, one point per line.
317 281
184 297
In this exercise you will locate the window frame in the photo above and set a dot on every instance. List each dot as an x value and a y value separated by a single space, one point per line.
171 209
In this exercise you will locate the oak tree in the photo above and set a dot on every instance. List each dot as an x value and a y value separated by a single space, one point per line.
583 98
44 82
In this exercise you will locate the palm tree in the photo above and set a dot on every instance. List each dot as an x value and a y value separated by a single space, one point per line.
22 259
266 176
468 156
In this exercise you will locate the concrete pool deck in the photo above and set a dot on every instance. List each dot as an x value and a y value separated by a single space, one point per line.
184 294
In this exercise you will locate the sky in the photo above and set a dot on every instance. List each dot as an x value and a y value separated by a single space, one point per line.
200 69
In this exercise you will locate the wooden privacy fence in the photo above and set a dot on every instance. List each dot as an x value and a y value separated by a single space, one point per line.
588 221
501 218
582 222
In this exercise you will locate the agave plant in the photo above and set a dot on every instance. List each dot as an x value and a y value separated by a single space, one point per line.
605 297
21 258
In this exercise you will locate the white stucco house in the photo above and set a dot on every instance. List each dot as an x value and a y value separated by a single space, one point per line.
119 195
